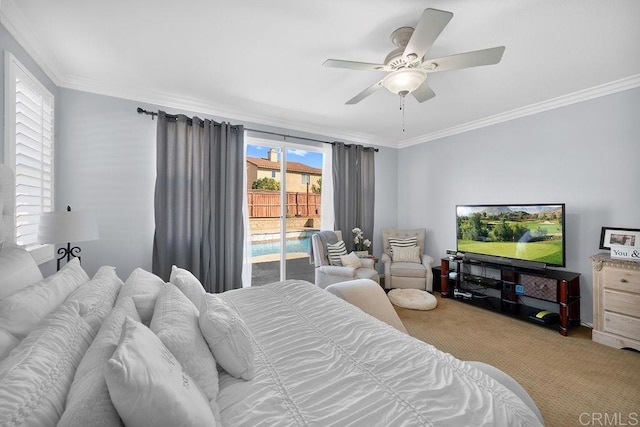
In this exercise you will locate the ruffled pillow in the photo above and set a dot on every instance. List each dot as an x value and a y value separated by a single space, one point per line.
7 343
97 297
36 376
21 312
88 400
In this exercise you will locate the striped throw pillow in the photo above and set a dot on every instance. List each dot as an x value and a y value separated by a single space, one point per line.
402 242
335 251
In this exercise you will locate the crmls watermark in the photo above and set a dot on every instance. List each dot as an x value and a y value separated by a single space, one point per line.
609 419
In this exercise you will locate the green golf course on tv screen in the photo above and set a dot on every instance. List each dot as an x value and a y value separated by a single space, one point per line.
527 232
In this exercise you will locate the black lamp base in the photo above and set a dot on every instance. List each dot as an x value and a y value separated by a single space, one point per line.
68 252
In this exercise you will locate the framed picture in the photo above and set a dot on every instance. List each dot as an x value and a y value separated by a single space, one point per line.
619 236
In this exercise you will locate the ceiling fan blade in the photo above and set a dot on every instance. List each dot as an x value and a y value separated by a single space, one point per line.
423 93
354 65
464 60
431 24
362 95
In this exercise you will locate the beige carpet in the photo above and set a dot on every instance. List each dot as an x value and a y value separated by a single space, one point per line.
574 381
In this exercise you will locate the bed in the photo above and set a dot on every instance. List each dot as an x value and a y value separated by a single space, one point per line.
111 351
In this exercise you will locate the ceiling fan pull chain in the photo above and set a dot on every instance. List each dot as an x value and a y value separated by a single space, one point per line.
402 109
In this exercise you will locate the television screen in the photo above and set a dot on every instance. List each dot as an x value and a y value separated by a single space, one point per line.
529 232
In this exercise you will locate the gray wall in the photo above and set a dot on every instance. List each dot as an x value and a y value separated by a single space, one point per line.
106 164
586 155
386 207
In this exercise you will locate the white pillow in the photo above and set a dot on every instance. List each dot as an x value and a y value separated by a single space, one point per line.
88 401
18 270
7 343
37 374
149 387
175 322
21 312
145 287
410 254
335 251
404 242
97 297
227 336
351 260
188 284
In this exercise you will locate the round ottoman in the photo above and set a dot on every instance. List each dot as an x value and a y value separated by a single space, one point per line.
414 299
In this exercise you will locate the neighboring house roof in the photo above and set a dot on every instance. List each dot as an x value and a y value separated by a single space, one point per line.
291 166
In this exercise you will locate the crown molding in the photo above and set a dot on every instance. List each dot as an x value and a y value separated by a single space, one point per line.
623 84
170 100
196 105
20 28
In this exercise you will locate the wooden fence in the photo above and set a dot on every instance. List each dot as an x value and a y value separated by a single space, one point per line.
266 204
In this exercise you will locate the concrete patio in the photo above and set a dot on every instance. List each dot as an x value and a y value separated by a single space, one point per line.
269 271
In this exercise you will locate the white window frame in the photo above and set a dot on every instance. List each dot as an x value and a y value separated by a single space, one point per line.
14 70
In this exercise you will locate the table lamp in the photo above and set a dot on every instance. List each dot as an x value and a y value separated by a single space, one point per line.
67 227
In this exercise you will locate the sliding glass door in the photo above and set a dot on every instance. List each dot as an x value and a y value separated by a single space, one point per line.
284 186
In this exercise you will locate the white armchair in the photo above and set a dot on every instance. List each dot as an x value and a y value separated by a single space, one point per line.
415 273
327 274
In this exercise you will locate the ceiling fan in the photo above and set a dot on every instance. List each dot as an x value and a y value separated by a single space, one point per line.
406 65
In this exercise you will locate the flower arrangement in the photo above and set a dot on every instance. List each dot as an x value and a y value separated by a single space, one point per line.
362 244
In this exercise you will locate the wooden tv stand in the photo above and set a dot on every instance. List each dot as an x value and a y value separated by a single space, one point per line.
561 288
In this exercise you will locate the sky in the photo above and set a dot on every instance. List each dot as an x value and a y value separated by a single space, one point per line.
309 158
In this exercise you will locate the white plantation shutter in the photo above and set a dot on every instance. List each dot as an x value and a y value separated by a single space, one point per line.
31 127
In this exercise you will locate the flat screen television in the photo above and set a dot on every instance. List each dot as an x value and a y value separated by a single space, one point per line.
525 235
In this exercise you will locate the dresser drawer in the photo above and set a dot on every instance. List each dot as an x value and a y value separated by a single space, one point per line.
622 302
623 280
622 325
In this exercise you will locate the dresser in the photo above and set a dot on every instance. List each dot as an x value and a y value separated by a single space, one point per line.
616 302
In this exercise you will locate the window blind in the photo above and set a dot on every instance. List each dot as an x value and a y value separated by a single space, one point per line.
34 144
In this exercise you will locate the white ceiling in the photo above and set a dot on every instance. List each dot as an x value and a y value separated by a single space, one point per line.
261 61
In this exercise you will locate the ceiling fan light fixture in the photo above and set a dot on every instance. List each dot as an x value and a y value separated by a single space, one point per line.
404 81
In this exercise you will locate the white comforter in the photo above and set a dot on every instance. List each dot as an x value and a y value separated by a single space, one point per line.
322 362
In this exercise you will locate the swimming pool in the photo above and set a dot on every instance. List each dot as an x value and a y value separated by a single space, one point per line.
292 245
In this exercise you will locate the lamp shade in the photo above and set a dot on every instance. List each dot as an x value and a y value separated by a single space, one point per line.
404 81
67 226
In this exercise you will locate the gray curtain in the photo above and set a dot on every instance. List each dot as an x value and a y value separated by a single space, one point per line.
198 200
354 190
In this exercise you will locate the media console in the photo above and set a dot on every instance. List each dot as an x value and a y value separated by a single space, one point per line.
552 296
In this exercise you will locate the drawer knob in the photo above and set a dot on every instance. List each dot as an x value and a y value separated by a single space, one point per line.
623 280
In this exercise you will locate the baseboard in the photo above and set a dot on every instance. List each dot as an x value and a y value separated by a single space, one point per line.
588 325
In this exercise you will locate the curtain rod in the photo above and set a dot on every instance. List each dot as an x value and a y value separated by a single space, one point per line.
153 114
